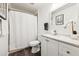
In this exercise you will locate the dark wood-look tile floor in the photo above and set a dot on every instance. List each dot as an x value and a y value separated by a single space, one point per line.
25 52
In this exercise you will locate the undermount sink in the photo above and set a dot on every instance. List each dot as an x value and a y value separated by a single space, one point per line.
53 33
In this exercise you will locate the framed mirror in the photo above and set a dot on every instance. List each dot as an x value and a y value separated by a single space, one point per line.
59 19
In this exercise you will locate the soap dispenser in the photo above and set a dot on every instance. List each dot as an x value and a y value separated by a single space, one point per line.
45 26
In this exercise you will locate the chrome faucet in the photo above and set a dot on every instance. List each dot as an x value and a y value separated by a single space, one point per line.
55 32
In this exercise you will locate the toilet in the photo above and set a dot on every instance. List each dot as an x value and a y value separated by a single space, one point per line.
35 46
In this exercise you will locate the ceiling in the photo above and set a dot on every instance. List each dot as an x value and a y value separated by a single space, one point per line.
34 7
39 5
57 5
30 7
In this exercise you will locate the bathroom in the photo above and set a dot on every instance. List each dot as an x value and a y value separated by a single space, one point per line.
39 29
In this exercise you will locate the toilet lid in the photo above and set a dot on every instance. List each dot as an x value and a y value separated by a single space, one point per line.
33 43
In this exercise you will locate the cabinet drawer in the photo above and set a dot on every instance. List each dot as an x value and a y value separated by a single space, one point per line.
68 50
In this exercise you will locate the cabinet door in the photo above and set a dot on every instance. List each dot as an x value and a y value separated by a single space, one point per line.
52 47
43 46
68 50
60 49
49 47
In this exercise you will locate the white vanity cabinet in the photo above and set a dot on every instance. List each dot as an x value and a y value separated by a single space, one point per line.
49 47
68 50
54 47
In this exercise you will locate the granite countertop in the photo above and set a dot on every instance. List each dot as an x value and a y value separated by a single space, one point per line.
62 38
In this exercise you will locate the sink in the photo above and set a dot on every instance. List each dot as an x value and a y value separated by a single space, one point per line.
52 33
74 37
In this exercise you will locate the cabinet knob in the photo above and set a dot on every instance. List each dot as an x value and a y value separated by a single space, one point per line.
68 52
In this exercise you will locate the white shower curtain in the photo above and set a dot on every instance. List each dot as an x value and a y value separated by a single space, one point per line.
23 29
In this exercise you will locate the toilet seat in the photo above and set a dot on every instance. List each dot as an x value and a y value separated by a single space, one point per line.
34 43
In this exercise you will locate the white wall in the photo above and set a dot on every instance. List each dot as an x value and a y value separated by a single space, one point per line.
70 13
57 5
43 17
4 37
